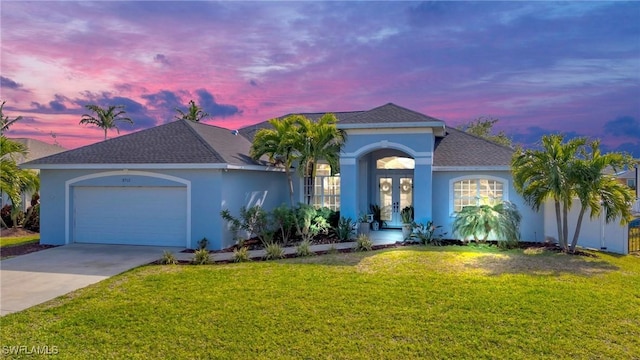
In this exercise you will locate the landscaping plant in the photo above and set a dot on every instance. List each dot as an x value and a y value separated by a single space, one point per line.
363 243
168 258
344 230
201 257
254 222
304 248
284 219
479 221
426 234
310 223
273 251
241 254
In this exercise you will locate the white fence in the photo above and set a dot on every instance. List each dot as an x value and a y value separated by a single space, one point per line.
594 233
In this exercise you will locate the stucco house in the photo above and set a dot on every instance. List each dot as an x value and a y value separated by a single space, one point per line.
167 185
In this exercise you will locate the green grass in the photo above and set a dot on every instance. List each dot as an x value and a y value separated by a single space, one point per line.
20 240
409 303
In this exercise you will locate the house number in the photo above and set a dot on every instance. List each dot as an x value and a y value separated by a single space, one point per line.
126 180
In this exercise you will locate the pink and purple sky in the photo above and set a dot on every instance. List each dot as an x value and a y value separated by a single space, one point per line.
539 67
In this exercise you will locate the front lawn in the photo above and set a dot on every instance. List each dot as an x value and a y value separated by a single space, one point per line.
19 240
408 303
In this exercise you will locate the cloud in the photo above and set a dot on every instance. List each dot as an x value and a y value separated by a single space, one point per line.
209 104
160 58
623 126
7 83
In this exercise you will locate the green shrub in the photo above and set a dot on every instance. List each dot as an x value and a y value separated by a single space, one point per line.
203 243
32 221
363 243
241 255
344 229
201 257
8 214
284 220
273 251
479 221
426 234
168 258
304 248
310 223
254 221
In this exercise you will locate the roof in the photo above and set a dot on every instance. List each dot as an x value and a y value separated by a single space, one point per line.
36 149
458 148
388 115
178 142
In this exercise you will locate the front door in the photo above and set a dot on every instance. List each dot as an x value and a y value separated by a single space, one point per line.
394 194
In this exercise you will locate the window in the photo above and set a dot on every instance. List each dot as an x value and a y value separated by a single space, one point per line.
477 191
395 162
631 183
327 188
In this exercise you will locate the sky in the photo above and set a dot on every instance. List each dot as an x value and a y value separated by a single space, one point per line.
538 67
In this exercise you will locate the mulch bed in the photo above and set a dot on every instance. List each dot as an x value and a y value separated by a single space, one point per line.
10 251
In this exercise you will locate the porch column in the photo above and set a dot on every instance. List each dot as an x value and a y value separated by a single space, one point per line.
422 190
348 187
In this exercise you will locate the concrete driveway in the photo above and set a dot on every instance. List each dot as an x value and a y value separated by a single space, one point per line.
31 279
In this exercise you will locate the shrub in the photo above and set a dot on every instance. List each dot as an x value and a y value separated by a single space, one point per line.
273 251
254 221
426 234
201 257
478 222
32 222
311 224
6 214
363 243
344 229
168 258
203 243
304 248
284 220
241 255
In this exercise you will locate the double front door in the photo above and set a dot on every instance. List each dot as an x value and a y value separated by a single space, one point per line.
394 194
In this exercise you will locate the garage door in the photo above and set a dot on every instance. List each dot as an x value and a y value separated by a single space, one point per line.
130 215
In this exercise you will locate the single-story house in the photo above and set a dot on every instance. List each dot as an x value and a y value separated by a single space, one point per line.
167 185
35 150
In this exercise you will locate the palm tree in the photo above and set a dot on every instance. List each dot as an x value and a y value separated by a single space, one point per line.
544 174
13 180
598 190
479 221
280 144
106 118
4 120
321 141
194 113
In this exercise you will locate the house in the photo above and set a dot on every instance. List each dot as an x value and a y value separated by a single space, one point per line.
35 150
167 185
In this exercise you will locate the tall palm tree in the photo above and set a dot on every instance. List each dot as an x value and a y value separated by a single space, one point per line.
321 141
280 144
5 123
598 190
106 118
544 174
194 113
13 180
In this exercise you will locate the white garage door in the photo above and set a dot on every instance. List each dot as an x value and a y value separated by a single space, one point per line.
130 215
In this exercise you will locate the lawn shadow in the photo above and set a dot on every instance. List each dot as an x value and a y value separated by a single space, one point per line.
554 264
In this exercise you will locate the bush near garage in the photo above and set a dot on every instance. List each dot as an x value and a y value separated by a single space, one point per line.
5 213
32 221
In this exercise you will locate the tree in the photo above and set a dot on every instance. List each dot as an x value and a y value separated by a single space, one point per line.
194 113
281 144
106 118
5 123
13 180
321 141
539 175
483 127
598 190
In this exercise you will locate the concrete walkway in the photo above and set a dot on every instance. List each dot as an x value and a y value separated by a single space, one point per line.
34 278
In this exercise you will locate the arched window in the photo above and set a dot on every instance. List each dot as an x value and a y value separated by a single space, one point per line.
395 163
477 190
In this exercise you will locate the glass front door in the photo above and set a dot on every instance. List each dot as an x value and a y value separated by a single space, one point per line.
394 194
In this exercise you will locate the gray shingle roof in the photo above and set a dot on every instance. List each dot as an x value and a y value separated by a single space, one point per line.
389 113
36 149
178 142
250 131
457 148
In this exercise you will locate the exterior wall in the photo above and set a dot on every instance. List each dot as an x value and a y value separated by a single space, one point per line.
531 227
247 188
594 233
210 191
356 171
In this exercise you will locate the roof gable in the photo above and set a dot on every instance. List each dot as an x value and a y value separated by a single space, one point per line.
458 148
389 114
36 149
178 142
